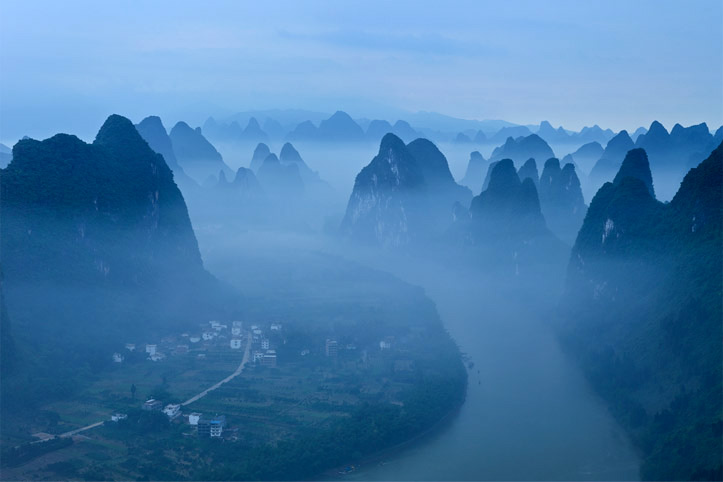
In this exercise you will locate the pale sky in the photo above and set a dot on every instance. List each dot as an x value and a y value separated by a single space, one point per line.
65 66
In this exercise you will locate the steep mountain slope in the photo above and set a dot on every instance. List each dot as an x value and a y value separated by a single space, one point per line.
561 199
672 154
154 133
388 205
97 246
260 154
636 165
529 171
642 312
508 208
444 192
195 154
475 173
605 168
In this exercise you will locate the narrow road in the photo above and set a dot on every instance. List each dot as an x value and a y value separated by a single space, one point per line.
247 354
82 429
244 360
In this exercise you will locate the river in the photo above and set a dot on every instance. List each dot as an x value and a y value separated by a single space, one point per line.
529 413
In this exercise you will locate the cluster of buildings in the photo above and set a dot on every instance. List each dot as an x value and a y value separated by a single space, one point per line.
264 349
212 333
206 427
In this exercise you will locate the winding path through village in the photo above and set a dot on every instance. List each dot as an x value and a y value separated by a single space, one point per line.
247 355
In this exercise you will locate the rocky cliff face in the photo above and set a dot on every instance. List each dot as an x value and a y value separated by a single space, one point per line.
388 206
101 216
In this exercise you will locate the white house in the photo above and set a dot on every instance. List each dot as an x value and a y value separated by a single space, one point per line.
130 346
117 357
207 335
258 356
194 339
194 418
265 344
236 330
235 343
151 349
157 357
275 326
117 417
172 410
385 344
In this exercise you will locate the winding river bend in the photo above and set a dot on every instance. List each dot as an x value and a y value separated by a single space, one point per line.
529 413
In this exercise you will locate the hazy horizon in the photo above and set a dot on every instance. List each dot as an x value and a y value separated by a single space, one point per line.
614 64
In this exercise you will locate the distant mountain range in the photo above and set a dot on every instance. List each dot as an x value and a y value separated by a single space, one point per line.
670 154
300 125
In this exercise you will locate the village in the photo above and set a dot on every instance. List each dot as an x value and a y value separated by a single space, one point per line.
259 342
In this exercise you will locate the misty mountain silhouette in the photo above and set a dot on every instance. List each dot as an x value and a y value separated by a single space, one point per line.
305 131
198 158
509 131
154 133
561 199
99 216
642 311
340 127
587 155
508 208
253 132
636 165
389 203
260 154
523 148
607 166
475 173
280 181
529 171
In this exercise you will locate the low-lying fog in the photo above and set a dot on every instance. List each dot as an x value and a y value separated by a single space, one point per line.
529 414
